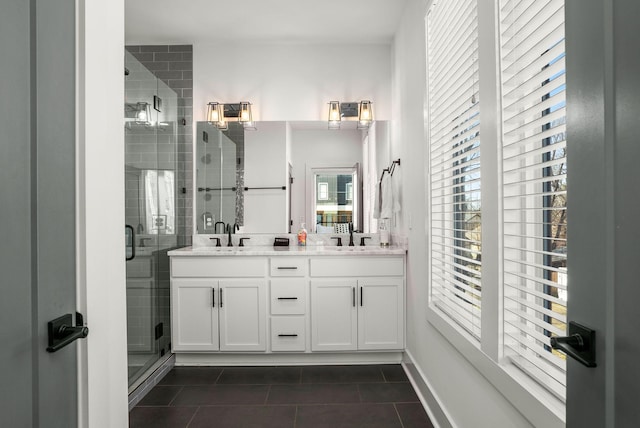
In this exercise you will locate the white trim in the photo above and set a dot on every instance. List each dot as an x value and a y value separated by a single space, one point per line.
81 295
100 199
431 402
536 404
300 359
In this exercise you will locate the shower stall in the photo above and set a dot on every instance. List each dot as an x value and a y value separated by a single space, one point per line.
150 127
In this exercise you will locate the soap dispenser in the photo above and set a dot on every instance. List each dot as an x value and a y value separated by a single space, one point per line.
302 235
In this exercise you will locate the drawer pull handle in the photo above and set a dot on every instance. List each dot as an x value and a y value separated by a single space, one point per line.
353 296
287 298
287 335
287 267
214 297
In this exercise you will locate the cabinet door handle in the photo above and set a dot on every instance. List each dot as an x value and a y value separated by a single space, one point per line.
287 335
287 298
220 296
360 296
353 296
214 297
287 267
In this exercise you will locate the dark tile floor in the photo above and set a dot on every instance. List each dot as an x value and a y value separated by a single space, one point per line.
378 396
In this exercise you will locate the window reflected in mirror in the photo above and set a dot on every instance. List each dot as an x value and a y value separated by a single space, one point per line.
334 205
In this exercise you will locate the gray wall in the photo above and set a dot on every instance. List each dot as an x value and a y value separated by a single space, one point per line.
173 64
603 100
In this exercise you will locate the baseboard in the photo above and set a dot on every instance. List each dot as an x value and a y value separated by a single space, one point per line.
428 397
278 359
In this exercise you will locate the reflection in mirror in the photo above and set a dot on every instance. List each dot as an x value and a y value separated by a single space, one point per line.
153 191
219 177
159 200
335 203
262 179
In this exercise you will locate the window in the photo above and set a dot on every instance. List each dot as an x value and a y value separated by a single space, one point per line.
497 204
455 182
334 201
323 191
534 187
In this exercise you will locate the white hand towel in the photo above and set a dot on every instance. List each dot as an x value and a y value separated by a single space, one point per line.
376 202
387 204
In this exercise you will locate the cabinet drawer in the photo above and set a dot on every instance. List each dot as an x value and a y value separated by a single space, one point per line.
288 297
357 266
287 334
218 267
288 266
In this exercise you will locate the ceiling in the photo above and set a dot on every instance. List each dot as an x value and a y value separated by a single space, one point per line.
269 21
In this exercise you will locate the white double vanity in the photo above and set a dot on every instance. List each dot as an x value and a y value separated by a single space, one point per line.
287 305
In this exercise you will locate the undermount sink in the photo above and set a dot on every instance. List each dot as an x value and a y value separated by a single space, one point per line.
219 249
353 249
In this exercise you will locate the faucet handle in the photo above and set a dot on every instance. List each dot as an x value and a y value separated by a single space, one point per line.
217 241
362 238
339 238
242 242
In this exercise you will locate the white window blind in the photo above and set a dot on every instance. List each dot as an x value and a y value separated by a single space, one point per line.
534 186
454 161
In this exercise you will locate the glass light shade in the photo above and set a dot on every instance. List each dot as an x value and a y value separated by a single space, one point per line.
334 115
365 115
213 113
221 124
244 113
143 113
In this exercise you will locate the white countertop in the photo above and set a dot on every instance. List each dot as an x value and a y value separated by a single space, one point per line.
315 250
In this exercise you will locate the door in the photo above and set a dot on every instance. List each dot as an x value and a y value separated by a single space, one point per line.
242 312
334 317
380 313
37 210
194 310
603 101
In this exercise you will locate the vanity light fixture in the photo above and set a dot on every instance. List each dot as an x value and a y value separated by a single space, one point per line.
365 115
218 113
335 116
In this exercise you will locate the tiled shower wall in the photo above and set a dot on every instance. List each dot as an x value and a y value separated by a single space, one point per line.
173 64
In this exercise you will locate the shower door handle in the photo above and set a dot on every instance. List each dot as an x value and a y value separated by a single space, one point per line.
130 233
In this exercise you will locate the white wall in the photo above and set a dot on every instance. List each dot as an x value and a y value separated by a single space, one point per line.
464 395
100 194
291 81
319 148
265 165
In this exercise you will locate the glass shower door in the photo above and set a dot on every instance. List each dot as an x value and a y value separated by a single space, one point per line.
150 213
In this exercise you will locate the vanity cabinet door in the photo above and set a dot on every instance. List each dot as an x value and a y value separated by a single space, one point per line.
334 315
380 313
243 316
194 310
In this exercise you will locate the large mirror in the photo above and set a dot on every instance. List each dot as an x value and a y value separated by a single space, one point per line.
272 179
